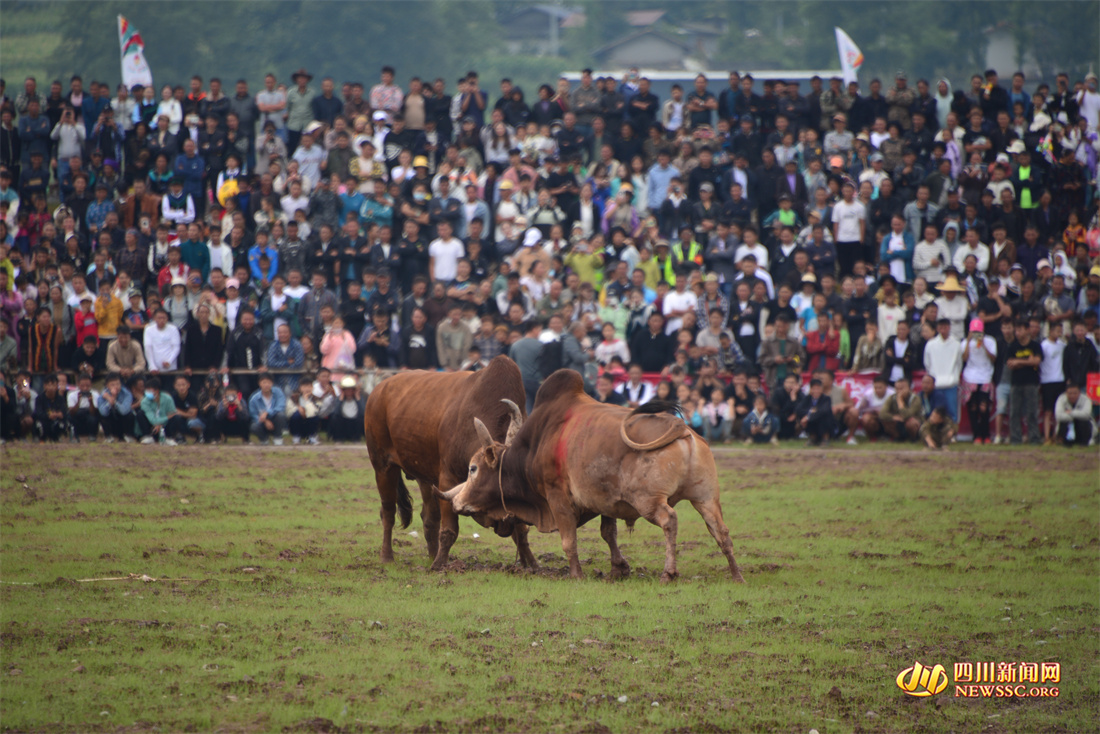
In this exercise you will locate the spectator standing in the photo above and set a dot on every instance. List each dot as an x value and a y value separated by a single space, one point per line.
1025 356
943 362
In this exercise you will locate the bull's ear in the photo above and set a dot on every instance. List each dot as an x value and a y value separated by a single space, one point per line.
483 433
516 422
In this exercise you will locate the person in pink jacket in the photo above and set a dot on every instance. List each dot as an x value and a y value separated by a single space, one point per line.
338 349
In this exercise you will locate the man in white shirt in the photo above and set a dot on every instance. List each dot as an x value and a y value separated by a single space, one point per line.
849 228
678 302
971 246
943 362
294 200
751 246
162 343
1073 413
444 253
309 157
221 254
1052 380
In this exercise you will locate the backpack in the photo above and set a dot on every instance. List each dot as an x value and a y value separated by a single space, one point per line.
550 358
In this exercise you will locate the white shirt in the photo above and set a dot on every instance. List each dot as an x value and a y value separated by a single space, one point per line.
981 252
1050 369
309 161
296 291
641 393
162 347
232 308
979 365
758 251
290 204
74 396
445 255
276 303
897 372
676 301
943 360
847 218
221 256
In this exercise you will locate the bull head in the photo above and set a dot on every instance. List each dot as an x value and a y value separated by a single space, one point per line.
513 426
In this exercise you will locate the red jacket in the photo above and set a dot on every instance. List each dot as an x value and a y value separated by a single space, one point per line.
822 349
86 325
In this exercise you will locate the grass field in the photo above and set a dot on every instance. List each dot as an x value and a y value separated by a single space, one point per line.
271 611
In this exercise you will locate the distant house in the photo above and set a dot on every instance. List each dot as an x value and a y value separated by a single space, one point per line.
536 29
647 47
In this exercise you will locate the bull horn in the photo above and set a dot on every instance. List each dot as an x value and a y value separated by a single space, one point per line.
516 423
451 493
483 433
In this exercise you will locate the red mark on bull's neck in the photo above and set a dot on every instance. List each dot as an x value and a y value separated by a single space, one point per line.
559 449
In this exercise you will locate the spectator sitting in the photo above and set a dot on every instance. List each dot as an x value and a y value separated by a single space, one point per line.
1073 416
939 430
869 354
902 413
303 411
760 426
815 415
267 407
83 415
115 406
232 415
346 422
157 409
717 418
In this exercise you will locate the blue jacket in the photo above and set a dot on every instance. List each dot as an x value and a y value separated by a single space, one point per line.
90 109
124 402
191 170
294 358
905 255
254 262
256 405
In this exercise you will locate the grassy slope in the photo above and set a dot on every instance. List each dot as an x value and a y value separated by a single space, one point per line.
28 41
857 565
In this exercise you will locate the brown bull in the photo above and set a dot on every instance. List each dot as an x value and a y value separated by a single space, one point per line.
575 458
417 424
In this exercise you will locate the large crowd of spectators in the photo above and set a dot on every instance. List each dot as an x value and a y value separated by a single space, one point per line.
202 262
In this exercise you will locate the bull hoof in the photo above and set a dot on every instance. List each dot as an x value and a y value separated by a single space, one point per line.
439 564
668 578
620 572
387 556
738 578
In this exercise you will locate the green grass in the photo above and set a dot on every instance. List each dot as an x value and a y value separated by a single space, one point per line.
272 610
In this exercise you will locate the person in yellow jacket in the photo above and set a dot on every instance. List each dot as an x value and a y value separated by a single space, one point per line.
687 251
666 265
108 310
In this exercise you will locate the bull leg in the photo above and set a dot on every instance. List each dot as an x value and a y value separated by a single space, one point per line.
664 517
712 515
526 557
620 569
567 528
388 481
429 515
448 525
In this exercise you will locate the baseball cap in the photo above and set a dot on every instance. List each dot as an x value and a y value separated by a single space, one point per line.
1044 263
233 283
347 382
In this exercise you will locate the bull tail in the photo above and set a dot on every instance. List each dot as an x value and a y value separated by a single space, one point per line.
404 502
674 433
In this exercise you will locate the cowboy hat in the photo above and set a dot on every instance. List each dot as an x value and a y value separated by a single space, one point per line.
301 72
